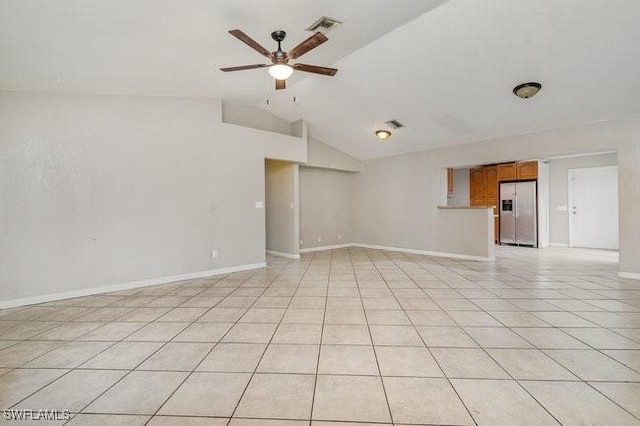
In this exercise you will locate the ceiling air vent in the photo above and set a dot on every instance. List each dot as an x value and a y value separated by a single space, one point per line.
323 24
394 124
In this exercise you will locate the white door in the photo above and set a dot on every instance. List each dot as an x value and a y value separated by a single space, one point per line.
593 207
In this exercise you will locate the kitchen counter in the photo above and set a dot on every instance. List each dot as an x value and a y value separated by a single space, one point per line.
464 232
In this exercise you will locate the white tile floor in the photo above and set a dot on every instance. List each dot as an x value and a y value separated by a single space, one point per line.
342 337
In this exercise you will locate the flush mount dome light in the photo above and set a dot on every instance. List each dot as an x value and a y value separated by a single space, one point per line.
280 71
383 135
527 90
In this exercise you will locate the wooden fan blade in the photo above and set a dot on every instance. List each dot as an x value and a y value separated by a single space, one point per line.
281 84
311 43
244 67
316 69
250 42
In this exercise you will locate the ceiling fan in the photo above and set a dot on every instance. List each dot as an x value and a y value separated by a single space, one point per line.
279 67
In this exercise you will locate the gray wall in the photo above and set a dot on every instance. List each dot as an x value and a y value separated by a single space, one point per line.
559 193
325 156
281 206
326 207
104 190
252 116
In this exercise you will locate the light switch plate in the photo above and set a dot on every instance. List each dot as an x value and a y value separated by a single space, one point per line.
259 205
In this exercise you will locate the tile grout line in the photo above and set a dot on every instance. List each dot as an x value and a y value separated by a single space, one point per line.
78 367
165 343
270 339
469 275
215 344
424 343
543 350
375 353
324 317
219 340
537 348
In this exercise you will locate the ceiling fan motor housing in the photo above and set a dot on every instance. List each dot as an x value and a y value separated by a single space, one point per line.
278 35
279 57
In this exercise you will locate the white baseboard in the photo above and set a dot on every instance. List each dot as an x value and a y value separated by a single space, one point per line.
558 245
428 253
281 254
402 250
5 304
629 275
313 249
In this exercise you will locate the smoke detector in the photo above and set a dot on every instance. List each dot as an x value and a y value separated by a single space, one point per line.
394 124
323 24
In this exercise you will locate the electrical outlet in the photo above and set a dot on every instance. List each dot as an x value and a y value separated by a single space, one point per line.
319 239
301 242
339 236
214 254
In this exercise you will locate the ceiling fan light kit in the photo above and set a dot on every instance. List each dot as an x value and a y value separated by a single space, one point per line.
280 69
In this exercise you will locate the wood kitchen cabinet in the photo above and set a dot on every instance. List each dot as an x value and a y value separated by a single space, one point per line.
478 202
484 185
477 183
507 171
483 190
491 182
527 170
450 181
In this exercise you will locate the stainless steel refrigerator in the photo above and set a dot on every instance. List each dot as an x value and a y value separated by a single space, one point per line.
518 213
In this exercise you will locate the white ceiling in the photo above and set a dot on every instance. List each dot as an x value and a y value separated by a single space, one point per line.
174 47
446 72
448 75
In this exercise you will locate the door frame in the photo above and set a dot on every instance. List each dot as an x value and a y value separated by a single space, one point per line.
569 200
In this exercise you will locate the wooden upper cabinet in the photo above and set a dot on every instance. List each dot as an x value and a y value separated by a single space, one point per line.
477 183
528 170
449 181
478 202
491 181
507 172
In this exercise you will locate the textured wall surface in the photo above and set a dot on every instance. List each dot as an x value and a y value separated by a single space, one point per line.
326 207
559 191
281 206
101 190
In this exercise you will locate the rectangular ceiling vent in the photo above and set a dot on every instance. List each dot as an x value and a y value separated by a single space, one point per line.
394 124
323 24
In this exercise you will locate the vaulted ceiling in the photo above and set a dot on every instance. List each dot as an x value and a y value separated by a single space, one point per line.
174 48
445 69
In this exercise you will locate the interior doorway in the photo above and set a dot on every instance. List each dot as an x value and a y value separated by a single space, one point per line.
282 224
593 207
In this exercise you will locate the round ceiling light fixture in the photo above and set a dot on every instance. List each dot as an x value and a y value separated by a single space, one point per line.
383 135
527 90
280 71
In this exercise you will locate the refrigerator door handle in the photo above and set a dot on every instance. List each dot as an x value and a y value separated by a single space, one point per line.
515 206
